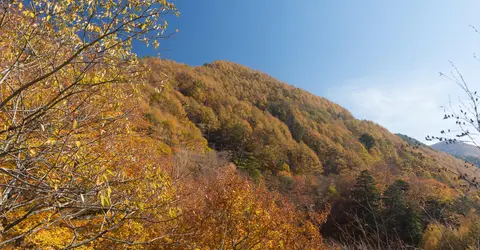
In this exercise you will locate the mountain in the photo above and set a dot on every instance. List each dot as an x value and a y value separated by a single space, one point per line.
411 141
275 132
458 149
309 150
461 150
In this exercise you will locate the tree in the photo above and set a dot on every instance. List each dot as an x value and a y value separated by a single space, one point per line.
401 218
366 206
227 211
304 160
367 140
365 193
64 70
466 114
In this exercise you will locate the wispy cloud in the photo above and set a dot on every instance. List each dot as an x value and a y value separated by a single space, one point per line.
408 103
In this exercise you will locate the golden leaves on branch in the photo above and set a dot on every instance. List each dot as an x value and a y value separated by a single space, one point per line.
64 73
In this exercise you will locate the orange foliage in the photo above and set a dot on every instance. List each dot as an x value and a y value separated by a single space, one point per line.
224 210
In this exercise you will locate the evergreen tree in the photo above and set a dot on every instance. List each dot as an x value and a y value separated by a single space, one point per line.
367 140
401 218
366 200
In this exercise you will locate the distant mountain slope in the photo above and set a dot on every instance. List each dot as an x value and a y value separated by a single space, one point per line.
458 149
461 150
411 141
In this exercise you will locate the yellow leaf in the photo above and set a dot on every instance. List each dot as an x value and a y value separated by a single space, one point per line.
75 124
29 13
102 200
78 143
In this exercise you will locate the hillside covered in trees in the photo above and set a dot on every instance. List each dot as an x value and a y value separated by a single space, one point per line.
303 146
271 127
102 150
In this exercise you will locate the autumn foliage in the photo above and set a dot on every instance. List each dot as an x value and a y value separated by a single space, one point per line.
100 149
75 168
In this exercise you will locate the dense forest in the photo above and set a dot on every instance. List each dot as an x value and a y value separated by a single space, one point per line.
100 149
314 153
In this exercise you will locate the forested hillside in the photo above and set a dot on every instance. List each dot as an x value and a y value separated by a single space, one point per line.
412 141
102 150
271 127
301 145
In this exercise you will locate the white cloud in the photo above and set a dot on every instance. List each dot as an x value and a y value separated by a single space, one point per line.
408 103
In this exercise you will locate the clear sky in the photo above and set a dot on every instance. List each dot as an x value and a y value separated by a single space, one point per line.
379 59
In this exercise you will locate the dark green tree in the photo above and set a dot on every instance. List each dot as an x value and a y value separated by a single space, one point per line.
247 162
366 200
367 140
434 210
402 219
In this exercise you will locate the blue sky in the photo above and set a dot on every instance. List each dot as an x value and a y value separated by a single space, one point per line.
379 59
